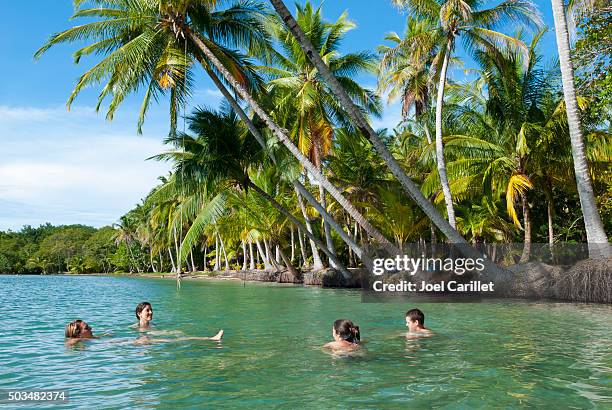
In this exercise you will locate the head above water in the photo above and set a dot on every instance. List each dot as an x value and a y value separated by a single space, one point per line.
78 329
415 318
144 311
344 329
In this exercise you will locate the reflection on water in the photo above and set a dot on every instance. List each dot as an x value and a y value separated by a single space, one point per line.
491 354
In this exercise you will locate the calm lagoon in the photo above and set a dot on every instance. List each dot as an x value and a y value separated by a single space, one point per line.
494 354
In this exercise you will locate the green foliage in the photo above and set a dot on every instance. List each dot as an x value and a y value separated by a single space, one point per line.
505 133
593 59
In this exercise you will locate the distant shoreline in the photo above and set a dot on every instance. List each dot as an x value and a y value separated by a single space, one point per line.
586 281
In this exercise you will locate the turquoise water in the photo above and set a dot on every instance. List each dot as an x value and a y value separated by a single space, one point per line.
487 355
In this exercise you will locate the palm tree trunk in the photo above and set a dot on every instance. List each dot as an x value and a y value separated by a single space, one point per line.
440 162
205 255
251 259
270 256
292 245
427 134
345 237
172 260
267 249
193 266
151 259
297 223
277 256
178 252
302 250
364 127
263 256
227 267
597 239
294 275
551 233
244 256
317 264
328 238
527 227
217 254
322 201
356 239
282 136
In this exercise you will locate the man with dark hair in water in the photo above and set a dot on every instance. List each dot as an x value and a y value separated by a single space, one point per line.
415 322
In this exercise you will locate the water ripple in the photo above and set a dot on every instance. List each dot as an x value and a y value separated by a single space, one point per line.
492 354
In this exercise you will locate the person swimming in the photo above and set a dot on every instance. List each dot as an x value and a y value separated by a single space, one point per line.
144 315
78 329
346 335
415 322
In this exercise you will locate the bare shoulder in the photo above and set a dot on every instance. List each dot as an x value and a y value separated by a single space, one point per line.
329 345
421 333
72 341
341 346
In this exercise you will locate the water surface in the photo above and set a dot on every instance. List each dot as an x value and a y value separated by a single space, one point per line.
483 355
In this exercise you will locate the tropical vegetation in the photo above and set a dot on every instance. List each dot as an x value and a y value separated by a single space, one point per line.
288 172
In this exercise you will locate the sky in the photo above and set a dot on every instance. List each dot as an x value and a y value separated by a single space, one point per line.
67 167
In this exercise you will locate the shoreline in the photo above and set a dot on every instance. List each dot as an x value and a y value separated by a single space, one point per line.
587 281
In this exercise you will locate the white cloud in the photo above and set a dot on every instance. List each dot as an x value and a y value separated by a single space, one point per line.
73 167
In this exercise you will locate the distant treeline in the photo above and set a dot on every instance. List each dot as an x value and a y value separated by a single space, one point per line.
67 248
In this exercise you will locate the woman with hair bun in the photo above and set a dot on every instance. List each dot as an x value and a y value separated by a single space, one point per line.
346 335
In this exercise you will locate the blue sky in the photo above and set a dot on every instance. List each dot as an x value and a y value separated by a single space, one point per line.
75 167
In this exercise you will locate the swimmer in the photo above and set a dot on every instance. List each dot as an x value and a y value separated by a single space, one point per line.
144 315
415 322
78 330
346 335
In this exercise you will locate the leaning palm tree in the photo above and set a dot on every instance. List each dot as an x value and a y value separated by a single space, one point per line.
221 156
597 239
140 52
299 94
360 122
136 33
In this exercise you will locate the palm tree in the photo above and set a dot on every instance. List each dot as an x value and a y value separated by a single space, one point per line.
512 135
221 156
365 128
143 37
300 96
476 27
178 22
408 67
141 52
126 234
597 239
408 70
